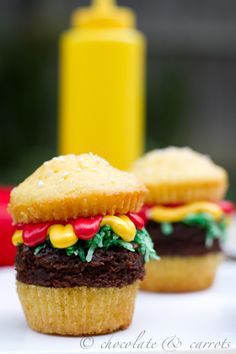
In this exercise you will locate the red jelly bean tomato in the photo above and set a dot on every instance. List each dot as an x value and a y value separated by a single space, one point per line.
227 206
34 234
137 220
143 212
86 228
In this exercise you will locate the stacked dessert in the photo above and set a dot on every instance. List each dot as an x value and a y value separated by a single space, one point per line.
81 245
185 217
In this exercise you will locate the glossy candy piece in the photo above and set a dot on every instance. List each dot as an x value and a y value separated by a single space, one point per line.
34 234
121 225
17 238
62 236
137 220
143 213
86 228
227 206
131 227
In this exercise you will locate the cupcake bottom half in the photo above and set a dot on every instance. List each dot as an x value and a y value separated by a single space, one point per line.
79 310
60 294
186 263
181 273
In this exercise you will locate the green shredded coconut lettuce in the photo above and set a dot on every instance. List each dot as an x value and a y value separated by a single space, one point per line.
39 248
145 245
166 228
107 238
214 229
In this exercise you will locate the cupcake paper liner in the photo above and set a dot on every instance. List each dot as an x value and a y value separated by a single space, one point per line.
95 204
77 311
185 193
181 274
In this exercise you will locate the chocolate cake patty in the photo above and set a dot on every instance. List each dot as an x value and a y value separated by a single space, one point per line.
115 267
185 240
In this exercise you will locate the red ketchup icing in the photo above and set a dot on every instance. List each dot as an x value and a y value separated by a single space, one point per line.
84 228
137 220
34 234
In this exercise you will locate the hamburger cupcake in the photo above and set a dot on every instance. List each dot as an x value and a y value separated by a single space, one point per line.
81 246
185 217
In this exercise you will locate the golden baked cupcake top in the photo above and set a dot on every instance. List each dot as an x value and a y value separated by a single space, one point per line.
185 190
80 204
73 186
174 175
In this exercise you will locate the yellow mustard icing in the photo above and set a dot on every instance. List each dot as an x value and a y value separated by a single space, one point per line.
62 236
121 225
169 214
17 238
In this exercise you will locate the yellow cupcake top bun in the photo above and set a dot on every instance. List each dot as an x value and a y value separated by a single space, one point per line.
72 186
180 175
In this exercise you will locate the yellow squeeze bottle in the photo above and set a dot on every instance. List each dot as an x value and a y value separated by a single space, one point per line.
102 84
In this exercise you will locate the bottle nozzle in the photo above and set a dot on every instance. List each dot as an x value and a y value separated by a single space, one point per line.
104 14
103 4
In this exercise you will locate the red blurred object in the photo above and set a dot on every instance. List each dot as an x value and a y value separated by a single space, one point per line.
7 250
227 206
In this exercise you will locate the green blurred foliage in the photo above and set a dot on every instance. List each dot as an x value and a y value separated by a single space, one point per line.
28 105
167 98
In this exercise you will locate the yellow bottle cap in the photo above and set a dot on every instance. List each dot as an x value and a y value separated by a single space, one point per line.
103 14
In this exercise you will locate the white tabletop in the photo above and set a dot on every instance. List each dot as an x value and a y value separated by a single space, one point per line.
166 322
